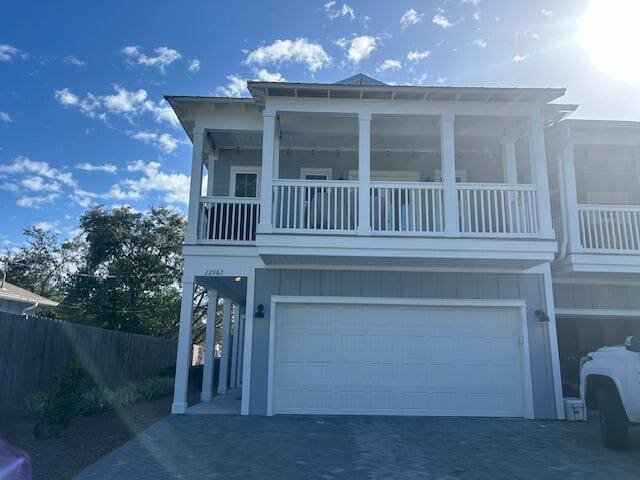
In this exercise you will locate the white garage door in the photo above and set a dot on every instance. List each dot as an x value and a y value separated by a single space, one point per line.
397 360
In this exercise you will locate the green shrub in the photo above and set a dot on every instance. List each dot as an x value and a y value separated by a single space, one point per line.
53 411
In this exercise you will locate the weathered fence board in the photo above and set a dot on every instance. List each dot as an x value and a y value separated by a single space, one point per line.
34 350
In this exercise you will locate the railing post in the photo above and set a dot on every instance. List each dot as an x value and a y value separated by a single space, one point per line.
570 190
195 188
364 173
266 184
538 160
448 159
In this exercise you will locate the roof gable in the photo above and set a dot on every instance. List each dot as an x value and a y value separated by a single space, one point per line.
360 79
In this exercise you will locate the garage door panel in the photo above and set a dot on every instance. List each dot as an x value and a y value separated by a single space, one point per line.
397 360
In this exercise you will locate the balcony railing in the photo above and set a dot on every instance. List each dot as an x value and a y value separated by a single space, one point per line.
406 208
498 209
609 227
228 219
396 209
308 206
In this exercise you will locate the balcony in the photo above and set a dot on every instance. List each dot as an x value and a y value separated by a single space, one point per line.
396 209
609 228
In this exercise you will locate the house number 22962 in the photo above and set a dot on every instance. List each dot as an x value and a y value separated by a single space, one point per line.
214 272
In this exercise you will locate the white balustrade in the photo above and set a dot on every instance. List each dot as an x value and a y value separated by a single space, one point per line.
407 208
307 206
228 219
609 227
492 209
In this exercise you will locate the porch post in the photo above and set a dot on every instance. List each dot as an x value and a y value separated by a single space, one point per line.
240 349
540 177
364 173
570 189
213 158
226 344
209 347
510 166
195 188
448 160
183 357
248 343
234 351
266 183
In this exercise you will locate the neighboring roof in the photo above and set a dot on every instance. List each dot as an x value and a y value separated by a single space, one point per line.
9 291
603 125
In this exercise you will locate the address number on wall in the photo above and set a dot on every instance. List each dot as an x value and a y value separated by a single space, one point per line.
214 272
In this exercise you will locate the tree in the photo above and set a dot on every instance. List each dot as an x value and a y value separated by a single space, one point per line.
129 271
42 265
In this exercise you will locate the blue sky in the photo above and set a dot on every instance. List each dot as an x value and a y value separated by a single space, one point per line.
82 118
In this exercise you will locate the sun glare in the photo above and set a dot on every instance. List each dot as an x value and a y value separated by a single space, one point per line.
610 32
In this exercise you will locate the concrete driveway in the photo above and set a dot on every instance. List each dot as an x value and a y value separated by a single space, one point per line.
228 447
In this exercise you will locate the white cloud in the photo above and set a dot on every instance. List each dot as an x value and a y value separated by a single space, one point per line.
24 165
416 55
389 64
266 76
164 57
440 20
342 42
194 65
5 118
46 226
473 2
546 13
90 167
236 87
8 53
73 60
480 42
36 202
174 185
66 97
124 103
410 17
361 47
299 50
344 11
37 184
163 141
519 58
476 16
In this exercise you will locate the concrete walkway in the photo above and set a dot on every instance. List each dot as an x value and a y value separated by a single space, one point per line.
230 447
227 404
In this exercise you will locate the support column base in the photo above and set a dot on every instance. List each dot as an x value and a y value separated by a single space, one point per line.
206 396
222 391
179 408
264 228
364 231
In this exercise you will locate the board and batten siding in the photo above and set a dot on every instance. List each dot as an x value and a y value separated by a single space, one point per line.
438 285
597 296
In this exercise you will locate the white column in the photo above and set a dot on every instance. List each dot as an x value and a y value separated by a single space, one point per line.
236 343
195 188
276 150
209 347
364 173
183 357
226 343
247 343
266 183
569 189
213 158
510 166
240 350
448 151
539 174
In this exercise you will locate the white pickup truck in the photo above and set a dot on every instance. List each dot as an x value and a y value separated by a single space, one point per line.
610 382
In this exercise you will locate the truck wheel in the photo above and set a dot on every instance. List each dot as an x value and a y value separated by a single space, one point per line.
613 419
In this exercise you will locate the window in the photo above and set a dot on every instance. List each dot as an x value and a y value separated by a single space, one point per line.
461 176
315 173
607 198
244 182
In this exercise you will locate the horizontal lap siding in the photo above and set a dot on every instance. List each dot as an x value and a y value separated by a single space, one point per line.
528 287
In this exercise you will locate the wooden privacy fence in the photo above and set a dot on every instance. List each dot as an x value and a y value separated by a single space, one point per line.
33 350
